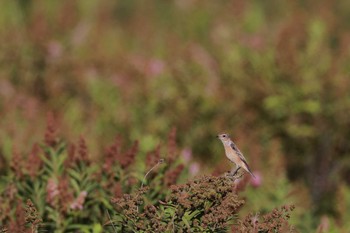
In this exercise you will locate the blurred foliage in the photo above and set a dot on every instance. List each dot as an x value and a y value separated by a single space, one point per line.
273 74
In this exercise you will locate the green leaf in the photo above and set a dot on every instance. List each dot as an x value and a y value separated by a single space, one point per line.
194 214
76 175
184 219
61 148
97 228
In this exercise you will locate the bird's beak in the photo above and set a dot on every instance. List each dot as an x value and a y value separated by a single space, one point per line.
217 136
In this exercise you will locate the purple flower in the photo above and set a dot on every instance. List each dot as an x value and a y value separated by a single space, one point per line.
186 154
194 168
155 67
257 181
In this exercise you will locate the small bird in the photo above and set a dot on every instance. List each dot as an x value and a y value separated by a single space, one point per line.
234 154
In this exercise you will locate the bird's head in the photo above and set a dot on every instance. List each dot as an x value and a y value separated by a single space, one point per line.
224 137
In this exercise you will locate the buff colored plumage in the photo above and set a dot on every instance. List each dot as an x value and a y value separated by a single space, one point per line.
234 154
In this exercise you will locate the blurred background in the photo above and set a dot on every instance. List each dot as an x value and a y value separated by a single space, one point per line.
272 74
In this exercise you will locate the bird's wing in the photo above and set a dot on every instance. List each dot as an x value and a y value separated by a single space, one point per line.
239 153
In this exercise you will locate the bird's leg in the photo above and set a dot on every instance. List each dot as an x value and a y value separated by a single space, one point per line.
235 172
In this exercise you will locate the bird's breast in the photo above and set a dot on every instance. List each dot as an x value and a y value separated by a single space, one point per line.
231 155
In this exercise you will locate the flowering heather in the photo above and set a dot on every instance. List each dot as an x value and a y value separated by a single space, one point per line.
78 203
72 158
69 191
65 196
32 215
153 157
51 131
34 163
275 221
17 164
129 156
204 204
118 190
172 149
113 153
82 151
52 192
20 217
171 176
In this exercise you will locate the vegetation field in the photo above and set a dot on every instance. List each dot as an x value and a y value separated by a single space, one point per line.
109 112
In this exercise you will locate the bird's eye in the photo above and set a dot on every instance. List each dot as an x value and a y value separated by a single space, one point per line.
224 136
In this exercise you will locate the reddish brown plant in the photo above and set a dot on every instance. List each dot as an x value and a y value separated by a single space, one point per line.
16 164
51 131
129 157
65 194
171 176
152 158
34 161
172 149
112 154
82 150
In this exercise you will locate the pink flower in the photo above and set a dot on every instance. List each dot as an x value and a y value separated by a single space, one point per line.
155 67
55 50
52 191
257 181
194 168
78 203
186 154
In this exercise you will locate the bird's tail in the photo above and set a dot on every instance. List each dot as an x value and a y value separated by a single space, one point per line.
248 169
250 172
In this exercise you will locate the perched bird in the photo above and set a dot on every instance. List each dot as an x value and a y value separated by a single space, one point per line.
234 154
